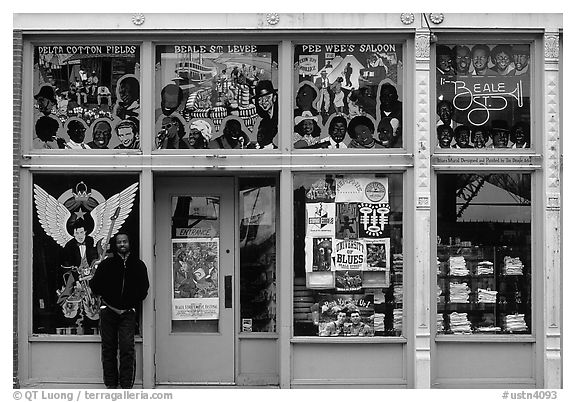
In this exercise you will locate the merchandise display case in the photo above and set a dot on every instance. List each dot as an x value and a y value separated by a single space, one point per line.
483 289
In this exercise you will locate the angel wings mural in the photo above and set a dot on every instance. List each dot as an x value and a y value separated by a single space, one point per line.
81 221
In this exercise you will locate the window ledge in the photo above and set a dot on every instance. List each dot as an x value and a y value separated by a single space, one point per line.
71 338
337 339
487 338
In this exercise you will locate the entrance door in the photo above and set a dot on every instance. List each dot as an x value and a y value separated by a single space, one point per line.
194 271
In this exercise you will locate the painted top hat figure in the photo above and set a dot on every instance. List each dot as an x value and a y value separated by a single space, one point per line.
45 99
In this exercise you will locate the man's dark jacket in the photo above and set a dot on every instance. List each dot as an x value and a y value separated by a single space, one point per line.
121 284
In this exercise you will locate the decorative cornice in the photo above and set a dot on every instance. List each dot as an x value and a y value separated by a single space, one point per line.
551 46
407 18
138 19
272 18
422 46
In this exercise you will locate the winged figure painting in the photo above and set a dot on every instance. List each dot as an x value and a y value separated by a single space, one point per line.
76 212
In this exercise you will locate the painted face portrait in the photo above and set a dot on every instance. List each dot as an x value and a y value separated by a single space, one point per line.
305 97
170 127
126 136
445 111
307 127
463 60
480 59
445 136
233 129
129 90
80 234
518 135
500 138
479 139
502 60
445 63
363 134
520 61
76 131
102 134
266 102
338 131
462 137
388 96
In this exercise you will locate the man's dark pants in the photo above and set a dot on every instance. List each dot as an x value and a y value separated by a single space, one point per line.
117 331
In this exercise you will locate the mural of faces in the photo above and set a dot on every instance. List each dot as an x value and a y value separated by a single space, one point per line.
83 84
352 80
488 91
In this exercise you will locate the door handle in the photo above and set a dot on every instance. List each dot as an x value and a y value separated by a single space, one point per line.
228 291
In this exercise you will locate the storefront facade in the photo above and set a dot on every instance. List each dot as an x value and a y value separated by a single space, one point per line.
298 189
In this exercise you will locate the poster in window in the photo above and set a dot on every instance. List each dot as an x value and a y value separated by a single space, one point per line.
216 96
86 97
336 311
373 220
320 219
195 269
318 254
351 188
349 254
348 280
483 96
348 96
74 218
322 190
346 220
377 254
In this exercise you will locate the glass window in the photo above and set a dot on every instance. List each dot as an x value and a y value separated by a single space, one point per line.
484 254
86 97
483 96
74 217
195 264
216 96
348 261
258 254
348 96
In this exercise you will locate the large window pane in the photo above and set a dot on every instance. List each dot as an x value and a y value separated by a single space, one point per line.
483 96
484 265
73 219
348 96
216 96
258 254
348 261
86 97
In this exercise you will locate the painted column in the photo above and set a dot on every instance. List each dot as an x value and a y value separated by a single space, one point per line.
422 213
552 238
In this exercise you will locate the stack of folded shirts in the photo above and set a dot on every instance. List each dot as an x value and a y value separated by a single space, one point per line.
512 266
398 293
438 294
458 266
438 263
459 323
397 319
485 268
459 293
439 322
490 328
515 322
486 296
379 322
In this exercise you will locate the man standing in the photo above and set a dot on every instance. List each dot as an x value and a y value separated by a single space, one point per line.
122 283
322 83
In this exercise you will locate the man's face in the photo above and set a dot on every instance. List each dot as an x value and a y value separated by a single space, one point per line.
445 63
462 60
233 131
520 61
126 136
518 135
479 140
355 318
480 59
101 134
170 127
126 93
44 105
387 97
502 60
363 134
80 235
169 101
305 97
463 138
445 112
338 131
77 133
266 102
445 138
195 135
500 138
341 318
122 244
307 127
